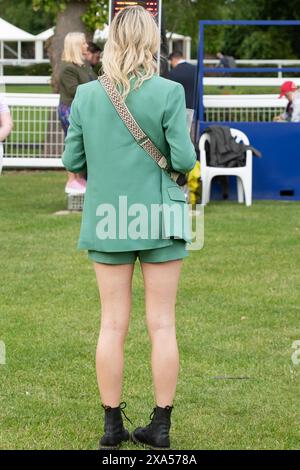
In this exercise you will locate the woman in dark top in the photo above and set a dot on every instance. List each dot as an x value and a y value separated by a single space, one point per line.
73 72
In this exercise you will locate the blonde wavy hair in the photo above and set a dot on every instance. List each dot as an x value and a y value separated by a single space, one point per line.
133 41
73 48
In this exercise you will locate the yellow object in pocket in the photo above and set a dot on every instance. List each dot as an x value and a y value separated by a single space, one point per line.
194 184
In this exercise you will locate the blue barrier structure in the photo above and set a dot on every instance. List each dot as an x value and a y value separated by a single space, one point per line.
276 176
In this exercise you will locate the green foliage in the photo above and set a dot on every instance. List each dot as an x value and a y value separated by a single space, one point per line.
49 6
20 13
95 17
34 69
182 16
262 44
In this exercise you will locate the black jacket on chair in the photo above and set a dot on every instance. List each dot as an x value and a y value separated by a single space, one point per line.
186 74
224 151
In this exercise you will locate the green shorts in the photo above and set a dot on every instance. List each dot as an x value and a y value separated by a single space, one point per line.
157 255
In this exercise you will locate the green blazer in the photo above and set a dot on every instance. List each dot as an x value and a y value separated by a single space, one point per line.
117 166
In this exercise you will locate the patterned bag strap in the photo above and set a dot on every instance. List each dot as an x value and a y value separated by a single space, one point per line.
139 135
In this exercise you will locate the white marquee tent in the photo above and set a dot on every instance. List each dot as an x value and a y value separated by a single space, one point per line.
9 32
180 42
11 41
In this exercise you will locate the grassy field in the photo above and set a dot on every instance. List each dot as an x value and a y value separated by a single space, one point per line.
241 90
28 89
237 316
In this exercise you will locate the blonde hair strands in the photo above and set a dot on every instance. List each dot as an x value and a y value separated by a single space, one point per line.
73 48
133 41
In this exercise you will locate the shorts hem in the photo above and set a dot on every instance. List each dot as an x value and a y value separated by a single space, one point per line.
176 251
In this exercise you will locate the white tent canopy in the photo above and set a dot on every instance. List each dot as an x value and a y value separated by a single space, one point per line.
9 32
11 39
45 35
179 42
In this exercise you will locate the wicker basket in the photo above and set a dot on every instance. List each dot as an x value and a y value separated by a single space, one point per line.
75 202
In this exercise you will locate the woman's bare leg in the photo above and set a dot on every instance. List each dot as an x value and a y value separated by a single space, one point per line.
114 282
71 176
75 176
161 282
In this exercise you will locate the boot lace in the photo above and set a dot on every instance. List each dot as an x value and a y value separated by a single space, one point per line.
122 406
151 417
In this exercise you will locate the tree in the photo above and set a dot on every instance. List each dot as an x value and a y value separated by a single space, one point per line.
70 17
182 16
261 42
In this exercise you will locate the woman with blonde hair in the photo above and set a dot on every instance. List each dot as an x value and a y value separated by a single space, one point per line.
73 72
124 179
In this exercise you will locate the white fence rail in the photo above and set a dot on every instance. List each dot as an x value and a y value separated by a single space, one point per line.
48 100
241 108
280 63
25 80
37 139
208 81
218 81
248 81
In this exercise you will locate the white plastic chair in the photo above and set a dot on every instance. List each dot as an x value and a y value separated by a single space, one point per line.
243 174
1 157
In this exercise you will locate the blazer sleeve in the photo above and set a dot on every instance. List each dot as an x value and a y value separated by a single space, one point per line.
74 158
182 151
70 78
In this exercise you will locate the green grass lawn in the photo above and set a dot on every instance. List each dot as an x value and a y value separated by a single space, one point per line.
241 90
238 314
28 89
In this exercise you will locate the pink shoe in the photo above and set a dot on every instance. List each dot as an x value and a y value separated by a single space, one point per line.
74 187
82 181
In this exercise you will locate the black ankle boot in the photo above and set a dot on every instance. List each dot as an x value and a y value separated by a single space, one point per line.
115 433
156 434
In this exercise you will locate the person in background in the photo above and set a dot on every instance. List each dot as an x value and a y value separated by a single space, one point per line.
6 125
186 74
226 61
290 91
92 57
73 72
